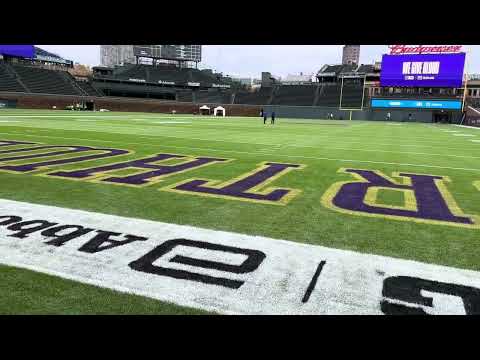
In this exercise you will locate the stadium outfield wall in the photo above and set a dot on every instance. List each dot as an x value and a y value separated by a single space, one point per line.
48 101
314 112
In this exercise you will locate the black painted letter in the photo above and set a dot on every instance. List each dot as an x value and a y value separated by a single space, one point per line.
408 289
145 263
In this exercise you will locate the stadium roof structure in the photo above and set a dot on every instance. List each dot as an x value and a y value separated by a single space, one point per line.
336 71
43 55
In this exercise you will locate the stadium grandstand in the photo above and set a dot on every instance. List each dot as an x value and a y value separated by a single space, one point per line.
336 86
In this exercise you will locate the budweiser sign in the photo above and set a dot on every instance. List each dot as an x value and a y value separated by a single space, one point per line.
424 49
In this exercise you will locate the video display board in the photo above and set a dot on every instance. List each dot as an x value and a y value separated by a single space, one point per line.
423 70
25 51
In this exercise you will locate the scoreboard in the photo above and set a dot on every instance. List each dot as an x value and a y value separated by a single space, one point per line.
423 70
169 52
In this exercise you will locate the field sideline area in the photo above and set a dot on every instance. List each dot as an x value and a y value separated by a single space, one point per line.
309 160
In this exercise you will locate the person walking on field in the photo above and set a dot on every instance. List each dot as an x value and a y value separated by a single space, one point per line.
265 115
273 117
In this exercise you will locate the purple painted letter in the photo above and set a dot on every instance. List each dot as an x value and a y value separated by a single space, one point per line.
240 188
431 205
141 178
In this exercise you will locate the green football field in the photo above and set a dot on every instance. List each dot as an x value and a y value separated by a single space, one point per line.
324 150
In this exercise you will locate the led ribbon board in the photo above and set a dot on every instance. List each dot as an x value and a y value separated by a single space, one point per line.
417 104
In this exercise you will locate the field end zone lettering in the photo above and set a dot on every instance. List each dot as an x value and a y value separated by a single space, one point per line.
430 201
23 229
74 149
13 142
145 263
245 187
42 147
94 245
59 240
409 290
155 173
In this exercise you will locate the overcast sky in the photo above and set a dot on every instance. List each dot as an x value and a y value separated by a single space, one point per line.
251 60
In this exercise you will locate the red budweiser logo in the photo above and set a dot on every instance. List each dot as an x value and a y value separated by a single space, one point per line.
421 49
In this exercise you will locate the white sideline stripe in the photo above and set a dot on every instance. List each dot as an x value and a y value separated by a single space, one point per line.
469 127
8 121
172 122
97 129
266 144
463 135
349 283
99 125
475 141
260 152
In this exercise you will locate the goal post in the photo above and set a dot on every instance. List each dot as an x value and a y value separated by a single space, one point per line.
363 98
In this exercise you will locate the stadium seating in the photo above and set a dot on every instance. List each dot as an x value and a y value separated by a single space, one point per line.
185 96
159 73
260 97
329 95
366 69
352 96
300 95
130 72
88 88
135 90
213 96
8 80
44 81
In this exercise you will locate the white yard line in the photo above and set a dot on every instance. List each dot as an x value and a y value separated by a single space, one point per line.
307 146
126 126
189 132
172 122
469 127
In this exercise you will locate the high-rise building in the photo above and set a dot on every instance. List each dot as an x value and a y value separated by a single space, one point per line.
111 55
351 55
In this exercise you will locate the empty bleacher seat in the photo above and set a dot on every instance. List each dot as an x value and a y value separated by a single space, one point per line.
299 95
8 81
260 97
43 81
88 88
329 95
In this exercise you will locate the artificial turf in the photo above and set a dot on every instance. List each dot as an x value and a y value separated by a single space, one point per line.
323 147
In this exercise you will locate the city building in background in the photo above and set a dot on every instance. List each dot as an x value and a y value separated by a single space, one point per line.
351 55
299 79
183 55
